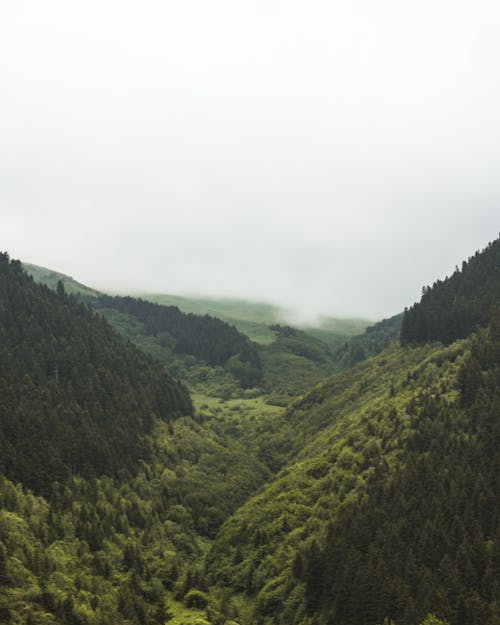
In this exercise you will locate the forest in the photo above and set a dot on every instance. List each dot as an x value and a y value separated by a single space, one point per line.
158 466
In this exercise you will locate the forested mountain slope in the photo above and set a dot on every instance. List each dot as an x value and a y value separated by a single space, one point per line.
133 490
374 339
388 506
256 318
75 398
204 337
212 357
456 306
372 500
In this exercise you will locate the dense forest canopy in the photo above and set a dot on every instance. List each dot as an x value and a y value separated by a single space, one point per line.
456 306
76 399
201 336
388 508
375 338
370 499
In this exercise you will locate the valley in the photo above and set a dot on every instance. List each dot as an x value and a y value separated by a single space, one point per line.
194 462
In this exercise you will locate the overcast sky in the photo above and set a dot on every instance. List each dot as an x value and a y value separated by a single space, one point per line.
328 156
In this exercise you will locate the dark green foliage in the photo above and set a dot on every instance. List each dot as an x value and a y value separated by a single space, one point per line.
293 363
119 548
372 500
427 538
374 339
391 501
299 343
75 399
204 337
390 496
456 306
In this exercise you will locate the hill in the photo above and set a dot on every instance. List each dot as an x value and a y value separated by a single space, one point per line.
370 500
129 486
211 356
206 338
69 385
456 306
374 339
255 318
386 505
216 359
51 279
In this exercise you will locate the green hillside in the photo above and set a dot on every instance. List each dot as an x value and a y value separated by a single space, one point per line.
255 318
370 499
387 506
133 487
347 433
51 278
70 385
214 357
458 305
374 339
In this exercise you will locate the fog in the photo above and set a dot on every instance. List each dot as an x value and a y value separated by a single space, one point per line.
330 157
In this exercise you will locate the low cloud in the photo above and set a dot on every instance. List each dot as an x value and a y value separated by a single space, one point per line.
327 158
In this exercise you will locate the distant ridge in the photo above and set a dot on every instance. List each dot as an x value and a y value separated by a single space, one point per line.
51 278
255 318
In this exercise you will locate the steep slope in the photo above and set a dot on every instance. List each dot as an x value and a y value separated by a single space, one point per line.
107 550
51 278
374 339
292 364
133 490
456 306
347 432
426 537
185 343
69 386
387 507
206 338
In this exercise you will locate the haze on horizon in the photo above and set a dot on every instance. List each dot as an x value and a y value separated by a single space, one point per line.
328 157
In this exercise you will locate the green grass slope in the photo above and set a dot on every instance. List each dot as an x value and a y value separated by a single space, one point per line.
51 278
255 318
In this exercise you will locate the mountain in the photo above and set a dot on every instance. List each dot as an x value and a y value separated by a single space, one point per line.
385 508
70 385
370 499
255 318
456 306
51 279
375 338
205 338
209 354
110 490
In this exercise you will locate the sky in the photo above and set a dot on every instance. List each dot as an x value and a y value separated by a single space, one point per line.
329 157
